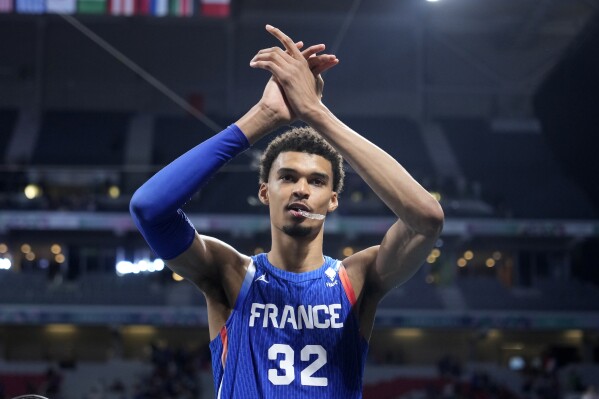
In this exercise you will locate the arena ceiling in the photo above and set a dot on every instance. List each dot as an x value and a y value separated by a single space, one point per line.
406 57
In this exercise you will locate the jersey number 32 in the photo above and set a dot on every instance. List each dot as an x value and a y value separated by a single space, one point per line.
285 374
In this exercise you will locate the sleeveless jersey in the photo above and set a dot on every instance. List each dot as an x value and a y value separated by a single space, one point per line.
291 336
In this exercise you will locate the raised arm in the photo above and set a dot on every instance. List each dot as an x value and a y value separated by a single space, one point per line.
156 205
420 217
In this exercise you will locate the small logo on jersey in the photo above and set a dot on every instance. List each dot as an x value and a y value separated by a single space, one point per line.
262 278
331 274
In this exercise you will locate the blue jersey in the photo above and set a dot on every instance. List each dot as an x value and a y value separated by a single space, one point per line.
291 336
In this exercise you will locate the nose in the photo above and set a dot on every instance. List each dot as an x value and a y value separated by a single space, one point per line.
301 189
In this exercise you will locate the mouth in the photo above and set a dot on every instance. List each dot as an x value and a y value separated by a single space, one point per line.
297 208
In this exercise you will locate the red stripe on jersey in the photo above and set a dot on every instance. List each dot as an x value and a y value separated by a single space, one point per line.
225 340
347 287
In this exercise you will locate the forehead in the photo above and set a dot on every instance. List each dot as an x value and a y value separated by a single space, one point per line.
302 162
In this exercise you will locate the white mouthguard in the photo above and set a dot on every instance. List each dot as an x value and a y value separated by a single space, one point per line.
316 216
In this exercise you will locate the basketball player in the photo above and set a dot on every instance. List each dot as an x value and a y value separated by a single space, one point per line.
290 323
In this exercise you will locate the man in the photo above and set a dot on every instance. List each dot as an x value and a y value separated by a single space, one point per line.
290 323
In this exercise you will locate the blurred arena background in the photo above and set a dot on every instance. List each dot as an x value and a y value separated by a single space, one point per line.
493 105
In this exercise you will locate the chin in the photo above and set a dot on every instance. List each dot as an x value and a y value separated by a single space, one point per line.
297 230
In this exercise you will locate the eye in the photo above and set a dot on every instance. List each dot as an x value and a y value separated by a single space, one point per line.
318 182
286 178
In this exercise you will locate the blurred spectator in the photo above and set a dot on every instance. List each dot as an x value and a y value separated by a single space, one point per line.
449 367
590 393
53 383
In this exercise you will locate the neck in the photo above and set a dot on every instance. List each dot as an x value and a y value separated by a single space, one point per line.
296 254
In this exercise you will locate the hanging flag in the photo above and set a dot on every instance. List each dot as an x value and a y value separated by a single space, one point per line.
216 8
61 6
6 6
31 6
91 6
158 8
181 8
121 7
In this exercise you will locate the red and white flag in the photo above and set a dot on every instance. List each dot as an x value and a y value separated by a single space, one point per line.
216 8
121 7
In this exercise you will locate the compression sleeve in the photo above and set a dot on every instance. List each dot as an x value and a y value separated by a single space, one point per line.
155 206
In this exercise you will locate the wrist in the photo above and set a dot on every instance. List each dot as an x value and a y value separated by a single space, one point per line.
315 114
270 116
259 121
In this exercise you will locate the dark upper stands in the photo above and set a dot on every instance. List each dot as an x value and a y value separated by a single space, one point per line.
517 171
8 119
400 138
482 293
81 138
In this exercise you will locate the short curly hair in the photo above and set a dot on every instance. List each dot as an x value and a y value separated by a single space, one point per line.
303 139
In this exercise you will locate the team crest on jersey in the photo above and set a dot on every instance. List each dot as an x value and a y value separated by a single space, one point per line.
332 275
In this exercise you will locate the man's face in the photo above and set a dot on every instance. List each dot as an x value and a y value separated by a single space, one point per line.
298 181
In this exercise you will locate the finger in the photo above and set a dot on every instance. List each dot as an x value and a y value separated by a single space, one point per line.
285 40
310 51
324 67
274 58
269 61
320 58
269 66
269 52
299 46
322 62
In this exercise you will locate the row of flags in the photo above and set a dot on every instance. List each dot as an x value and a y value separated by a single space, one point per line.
159 8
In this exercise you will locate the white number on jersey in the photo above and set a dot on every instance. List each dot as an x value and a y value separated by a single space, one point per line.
286 365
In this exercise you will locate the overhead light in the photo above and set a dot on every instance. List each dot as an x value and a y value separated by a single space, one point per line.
143 266
61 328
348 251
114 191
32 191
5 264
177 277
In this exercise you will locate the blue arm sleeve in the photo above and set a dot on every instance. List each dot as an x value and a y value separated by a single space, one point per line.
155 206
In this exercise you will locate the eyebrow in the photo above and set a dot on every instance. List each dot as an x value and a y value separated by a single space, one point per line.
319 175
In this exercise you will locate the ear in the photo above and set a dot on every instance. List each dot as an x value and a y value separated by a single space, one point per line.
263 193
333 202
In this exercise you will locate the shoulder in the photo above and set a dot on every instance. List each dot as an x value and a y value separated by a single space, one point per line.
360 267
361 261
